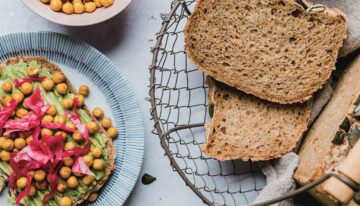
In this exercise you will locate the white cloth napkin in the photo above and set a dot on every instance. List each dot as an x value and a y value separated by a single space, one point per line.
279 178
352 10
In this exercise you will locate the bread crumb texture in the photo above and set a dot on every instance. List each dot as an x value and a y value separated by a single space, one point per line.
245 127
272 49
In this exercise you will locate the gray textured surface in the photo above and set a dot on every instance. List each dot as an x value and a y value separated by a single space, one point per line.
126 40
352 9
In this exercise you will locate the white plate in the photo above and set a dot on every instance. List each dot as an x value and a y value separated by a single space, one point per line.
100 15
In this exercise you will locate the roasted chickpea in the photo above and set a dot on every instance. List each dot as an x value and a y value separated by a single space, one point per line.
79 7
62 134
6 99
69 145
112 132
26 88
98 3
60 187
91 126
98 164
5 155
87 179
21 182
107 3
8 145
68 8
65 172
72 182
25 105
51 111
32 72
67 103
59 119
46 132
106 122
96 152
93 197
39 175
48 84
18 96
90 7
65 201
61 88
88 160
84 90
56 5
32 191
68 161
41 185
98 113
45 1
47 119
78 174
21 112
77 137
80 100
58 77
29 139
70 125
2 140
20 143
7 86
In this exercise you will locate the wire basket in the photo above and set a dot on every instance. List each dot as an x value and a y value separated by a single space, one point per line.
179 108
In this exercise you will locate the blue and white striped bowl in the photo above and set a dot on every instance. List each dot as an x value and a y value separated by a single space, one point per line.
98 70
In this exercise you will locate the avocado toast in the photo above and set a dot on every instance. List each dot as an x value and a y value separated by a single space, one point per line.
76 155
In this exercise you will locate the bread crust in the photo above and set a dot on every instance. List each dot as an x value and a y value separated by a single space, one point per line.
299 98
109 145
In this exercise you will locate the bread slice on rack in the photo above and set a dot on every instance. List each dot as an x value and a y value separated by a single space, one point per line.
248 128
332 135
273 49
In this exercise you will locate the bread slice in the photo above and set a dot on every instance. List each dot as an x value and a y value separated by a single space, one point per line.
110 165
318 155
272 49
248 128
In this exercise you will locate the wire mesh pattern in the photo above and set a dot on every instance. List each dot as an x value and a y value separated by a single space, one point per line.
180 109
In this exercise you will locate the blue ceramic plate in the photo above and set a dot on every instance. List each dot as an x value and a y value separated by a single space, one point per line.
83 64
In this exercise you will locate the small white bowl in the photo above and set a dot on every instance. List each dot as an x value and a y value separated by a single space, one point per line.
85 19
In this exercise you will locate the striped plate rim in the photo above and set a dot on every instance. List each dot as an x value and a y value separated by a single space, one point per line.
62 49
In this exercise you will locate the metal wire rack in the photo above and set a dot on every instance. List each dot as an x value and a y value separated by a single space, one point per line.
179 108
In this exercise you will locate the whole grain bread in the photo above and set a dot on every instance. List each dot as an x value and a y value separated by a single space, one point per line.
110 166
318 155
248 128
272 49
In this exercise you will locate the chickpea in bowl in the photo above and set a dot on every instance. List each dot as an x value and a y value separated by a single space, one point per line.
77 6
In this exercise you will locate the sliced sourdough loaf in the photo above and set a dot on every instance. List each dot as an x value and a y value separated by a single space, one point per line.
323 147
248 128
272 49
